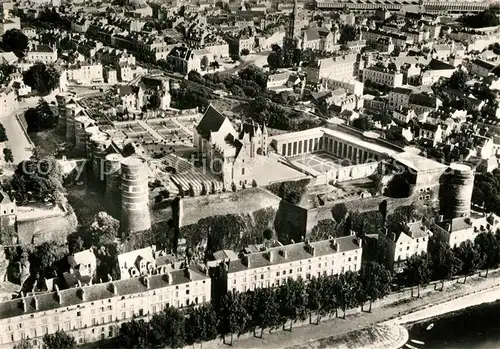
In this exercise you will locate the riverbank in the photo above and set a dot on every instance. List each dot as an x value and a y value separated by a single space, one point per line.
473 299
392 308
387 336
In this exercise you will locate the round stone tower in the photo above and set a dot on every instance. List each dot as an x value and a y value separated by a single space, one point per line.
81 123
89 132
62 99
71 112
100 143
112 172
135 195
455 193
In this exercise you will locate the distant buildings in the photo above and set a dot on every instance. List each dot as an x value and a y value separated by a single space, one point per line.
383 76
342 68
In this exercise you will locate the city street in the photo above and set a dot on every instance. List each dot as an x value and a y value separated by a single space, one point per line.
18 141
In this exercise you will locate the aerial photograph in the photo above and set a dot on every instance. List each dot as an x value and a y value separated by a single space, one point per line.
275 174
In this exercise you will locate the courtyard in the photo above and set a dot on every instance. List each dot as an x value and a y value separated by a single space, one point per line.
318 163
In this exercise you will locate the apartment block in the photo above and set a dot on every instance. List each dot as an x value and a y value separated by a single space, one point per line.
270 267
383 76
93 313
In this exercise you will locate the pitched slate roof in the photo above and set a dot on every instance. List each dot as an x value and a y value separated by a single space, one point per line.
211 122
435 64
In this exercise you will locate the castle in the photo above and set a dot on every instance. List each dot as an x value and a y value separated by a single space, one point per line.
230 154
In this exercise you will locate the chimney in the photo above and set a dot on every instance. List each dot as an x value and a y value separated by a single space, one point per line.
81 291
270 256
58 295
35 301
110 278
284 253
360 242
114 289
187 273
145 281
246 261
168 276
24 305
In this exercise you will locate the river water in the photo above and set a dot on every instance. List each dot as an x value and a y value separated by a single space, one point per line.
472 328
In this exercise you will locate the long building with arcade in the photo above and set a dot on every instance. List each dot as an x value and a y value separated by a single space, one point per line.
432 7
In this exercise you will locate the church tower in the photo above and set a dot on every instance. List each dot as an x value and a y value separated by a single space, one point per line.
292 34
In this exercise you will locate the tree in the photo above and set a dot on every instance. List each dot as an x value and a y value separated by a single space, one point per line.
375 282
233 317
349 290
324 229
470 257
398 187
263 307
235 57
444 262
42 78
488 247
3 134
154 101
134 334
417 271
292 298
41 118
245 52
5 71
339 212
487 18
104 229
128 149
23 344
362 123
214 65
168 327
7 155
59 340
315 297
204 62
458 79
201 324
14 40
378 185
38 180
275 60
46 254
290 191
347 33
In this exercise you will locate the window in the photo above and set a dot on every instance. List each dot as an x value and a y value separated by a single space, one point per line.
187 291
243 171
291 271
262 276
79 313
